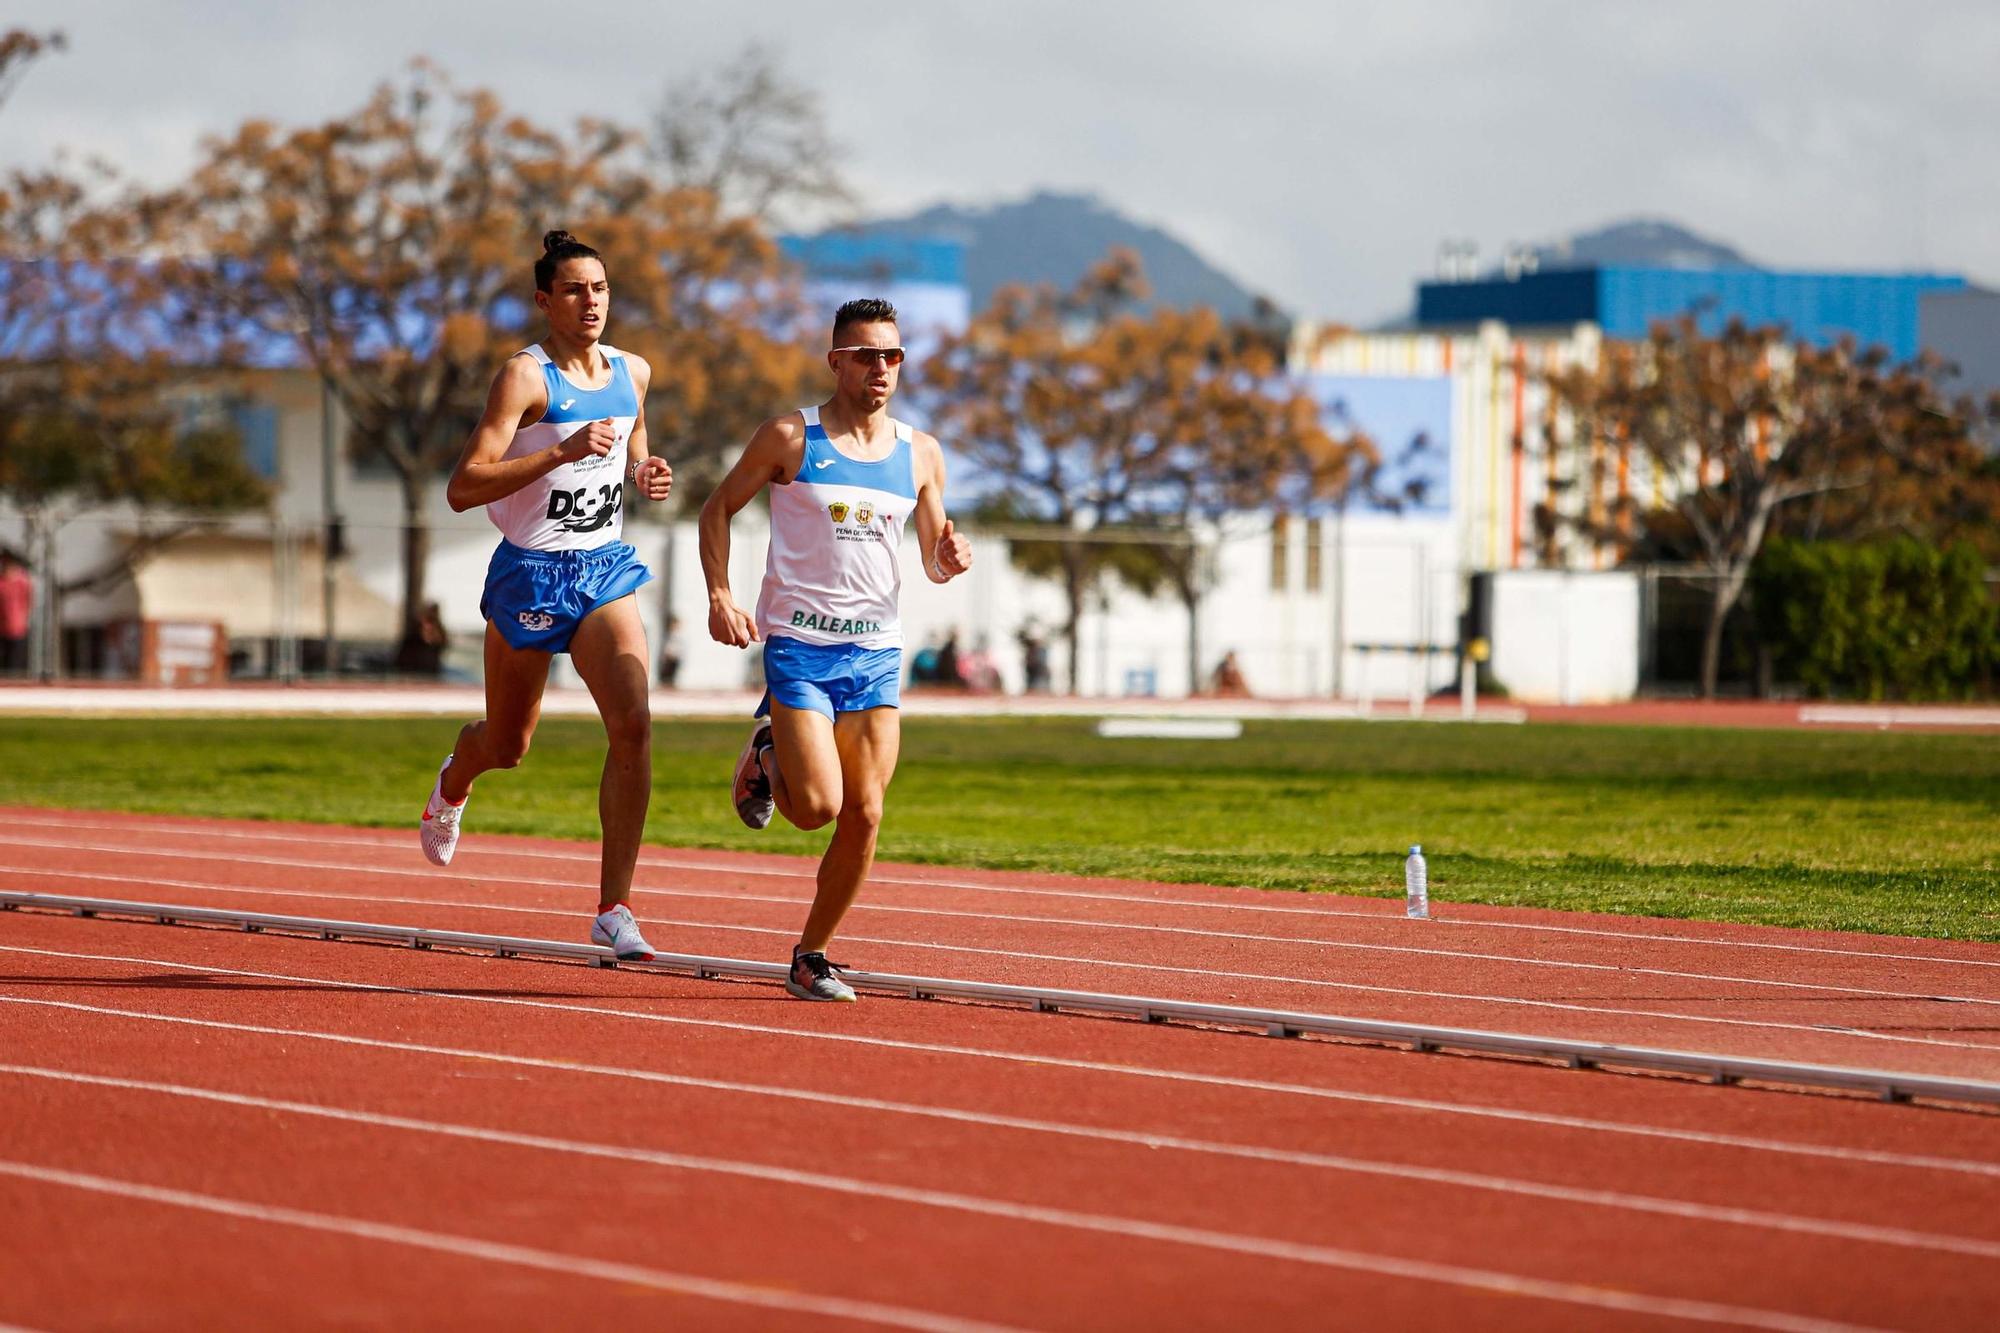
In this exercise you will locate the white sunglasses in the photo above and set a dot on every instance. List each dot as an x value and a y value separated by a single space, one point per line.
888 356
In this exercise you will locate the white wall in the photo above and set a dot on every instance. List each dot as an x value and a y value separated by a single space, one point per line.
1400 585
1561 636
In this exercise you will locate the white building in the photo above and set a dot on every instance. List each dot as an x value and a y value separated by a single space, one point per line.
1361 603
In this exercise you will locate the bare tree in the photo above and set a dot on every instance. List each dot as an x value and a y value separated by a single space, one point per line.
751 134
19 49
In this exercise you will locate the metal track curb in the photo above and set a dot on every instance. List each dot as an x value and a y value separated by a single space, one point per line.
1723 1069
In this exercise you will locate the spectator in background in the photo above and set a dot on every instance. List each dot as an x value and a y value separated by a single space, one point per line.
17 603
949 673
1034 658
1228 682
427 658
924 665
980 671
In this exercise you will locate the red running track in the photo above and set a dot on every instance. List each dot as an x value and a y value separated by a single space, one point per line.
205 1125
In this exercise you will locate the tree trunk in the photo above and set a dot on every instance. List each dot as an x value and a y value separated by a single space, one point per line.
1076 586
416 562
44 626
1726 594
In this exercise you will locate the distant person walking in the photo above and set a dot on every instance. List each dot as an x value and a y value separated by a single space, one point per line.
845 478
17 605
564 432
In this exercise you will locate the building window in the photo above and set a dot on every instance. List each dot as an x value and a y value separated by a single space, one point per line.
256 424
1315 527
1281 542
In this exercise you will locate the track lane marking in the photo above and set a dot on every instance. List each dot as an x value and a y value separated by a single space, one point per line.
1565 964
1546 1119
1813 1029
1324 1256
346 833
1625 1200
520 1256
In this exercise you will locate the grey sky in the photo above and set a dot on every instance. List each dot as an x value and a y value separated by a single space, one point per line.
1317 151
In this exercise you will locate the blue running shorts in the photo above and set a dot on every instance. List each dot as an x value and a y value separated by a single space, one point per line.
536 599
830 678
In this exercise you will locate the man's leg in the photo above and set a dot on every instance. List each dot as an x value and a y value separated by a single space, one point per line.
805 769
609 650
515 679
867 744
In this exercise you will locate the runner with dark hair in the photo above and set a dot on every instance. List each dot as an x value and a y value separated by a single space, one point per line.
563 434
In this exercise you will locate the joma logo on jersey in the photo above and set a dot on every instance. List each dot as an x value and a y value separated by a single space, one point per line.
839 511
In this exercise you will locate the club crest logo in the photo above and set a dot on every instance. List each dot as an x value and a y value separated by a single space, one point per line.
864 513
536 620
839 511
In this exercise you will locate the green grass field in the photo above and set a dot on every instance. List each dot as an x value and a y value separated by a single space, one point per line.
1896 833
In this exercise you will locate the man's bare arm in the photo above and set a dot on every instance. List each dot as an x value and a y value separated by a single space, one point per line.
773 454
651 477
484 473
944 550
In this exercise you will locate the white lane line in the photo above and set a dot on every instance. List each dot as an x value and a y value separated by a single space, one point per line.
1838 1153
952 913
347 835
1564 1006
519 1256
1508 1185
1125 1228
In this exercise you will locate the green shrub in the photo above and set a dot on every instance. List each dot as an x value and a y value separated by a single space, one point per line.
1892 620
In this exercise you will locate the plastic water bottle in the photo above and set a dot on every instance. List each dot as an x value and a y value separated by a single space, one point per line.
1416 885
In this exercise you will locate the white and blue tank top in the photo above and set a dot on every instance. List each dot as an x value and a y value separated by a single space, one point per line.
580 505
833 574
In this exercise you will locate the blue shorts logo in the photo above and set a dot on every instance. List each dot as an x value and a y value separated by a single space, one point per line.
536 620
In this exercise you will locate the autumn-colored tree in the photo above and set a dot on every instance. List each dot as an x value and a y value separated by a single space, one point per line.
1932 480
1023 395
717 314
95 406
1097 417
390 250
1745 431
1234 444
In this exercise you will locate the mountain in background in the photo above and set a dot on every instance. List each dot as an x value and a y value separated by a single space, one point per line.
1640 243
1055 238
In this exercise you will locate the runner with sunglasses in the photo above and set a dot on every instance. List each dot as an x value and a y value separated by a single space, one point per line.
845 477
562 438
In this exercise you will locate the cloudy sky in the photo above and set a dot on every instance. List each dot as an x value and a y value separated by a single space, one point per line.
1317 151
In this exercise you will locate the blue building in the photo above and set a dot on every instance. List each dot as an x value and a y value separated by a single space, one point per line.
923 278
1876 309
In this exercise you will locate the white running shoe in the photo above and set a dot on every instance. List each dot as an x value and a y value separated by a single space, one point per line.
438 830
751 789
813 978
617 931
